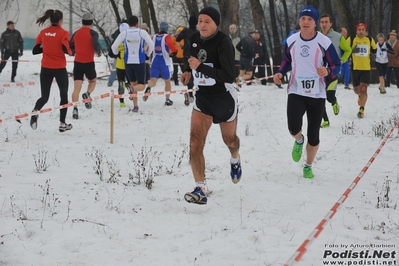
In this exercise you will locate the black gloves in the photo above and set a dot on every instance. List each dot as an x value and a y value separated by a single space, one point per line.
112 55
20 53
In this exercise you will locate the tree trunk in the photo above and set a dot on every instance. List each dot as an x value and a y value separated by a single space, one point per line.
286 17
345 16
315 3
144 12
127 8
229 14
257 15
192 7
394 15
277 46
116 11
153 16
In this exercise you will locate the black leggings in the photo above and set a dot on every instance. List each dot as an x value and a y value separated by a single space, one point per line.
46 79
331 99
314 107
122 78
177 62
14 57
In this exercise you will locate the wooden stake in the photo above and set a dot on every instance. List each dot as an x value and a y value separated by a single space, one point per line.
112 118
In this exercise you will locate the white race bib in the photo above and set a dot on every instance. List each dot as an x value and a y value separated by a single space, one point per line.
201 79
308 85
363 50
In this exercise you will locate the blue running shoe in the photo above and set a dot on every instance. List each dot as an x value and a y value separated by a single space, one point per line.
235 172
197 196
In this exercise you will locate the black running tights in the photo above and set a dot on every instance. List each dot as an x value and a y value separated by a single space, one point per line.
46 79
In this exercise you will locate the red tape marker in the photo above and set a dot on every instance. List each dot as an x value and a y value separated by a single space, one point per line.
303 248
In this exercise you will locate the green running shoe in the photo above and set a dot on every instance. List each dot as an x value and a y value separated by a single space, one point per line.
307 172
335 107
325 124
297 151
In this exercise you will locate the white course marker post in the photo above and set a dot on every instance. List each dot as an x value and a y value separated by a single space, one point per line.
112 118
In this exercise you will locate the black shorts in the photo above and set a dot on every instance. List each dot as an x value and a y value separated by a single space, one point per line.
84 69
246 63
360 76
136 73
223 107
381 68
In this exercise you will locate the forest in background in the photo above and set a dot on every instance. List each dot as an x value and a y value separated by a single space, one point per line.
273 18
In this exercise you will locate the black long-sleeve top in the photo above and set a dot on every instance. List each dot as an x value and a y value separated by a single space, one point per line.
218 51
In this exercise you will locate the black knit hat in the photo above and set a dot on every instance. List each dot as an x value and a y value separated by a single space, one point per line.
213 13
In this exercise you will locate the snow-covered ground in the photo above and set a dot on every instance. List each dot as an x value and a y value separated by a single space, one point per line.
56 210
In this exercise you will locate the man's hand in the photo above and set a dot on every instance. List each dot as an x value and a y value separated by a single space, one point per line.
277 78
193 62
185 78
20 53
322 71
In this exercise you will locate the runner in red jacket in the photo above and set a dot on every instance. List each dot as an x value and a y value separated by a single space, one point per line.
53 42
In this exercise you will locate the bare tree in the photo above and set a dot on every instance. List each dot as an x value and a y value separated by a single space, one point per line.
114 7
286 17
192 7
343 10
276 46
394 14
127 8
229 14
5 6
153 16
145 11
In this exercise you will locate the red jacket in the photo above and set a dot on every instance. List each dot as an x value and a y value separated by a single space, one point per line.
84 42
53 42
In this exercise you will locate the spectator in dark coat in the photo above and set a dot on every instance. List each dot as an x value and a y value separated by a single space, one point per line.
185 35
261 58
246 47
11 45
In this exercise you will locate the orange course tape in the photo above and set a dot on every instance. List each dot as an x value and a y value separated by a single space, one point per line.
303 248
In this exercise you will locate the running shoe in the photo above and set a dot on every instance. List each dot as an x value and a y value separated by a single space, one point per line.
186 99
235 172
33 121
335 107
325 124
85 96
297 151
307 172
75 113
65 127
146 92
168 102
360 114
197 196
